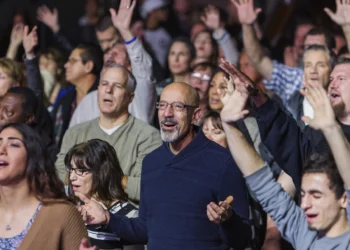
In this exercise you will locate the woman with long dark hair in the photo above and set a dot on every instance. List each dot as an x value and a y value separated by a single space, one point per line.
94 171
34 210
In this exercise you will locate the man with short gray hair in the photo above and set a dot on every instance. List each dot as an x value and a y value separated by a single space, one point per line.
131 138
318 62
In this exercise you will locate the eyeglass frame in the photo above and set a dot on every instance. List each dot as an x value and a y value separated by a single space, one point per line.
185 106
203 77
69 169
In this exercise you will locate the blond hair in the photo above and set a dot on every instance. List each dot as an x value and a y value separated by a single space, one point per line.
13 70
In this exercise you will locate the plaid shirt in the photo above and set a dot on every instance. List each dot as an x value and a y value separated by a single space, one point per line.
284 81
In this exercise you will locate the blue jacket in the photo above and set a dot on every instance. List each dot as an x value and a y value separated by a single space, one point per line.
175 192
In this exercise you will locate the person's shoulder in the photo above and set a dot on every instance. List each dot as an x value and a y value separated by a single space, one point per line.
153 157
217 153
83 126
60 207
90 97
142 127
68 97
218 148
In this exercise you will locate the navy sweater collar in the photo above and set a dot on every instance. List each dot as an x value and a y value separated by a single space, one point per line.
199 141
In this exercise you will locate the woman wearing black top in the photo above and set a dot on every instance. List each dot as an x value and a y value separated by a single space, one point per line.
94 171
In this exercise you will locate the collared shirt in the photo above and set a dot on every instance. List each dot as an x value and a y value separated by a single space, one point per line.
284 81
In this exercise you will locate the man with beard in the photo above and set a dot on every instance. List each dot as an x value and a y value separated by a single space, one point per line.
321 221
318 62
280 79
283 137
184 182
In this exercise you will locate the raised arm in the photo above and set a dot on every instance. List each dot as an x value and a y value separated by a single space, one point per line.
247 16
281 79
211 18
280 134
50 19
143 105
234 100
324 120
342 17
273 236
289 218
35 82
15 41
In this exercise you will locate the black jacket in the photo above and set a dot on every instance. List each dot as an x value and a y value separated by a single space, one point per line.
286 142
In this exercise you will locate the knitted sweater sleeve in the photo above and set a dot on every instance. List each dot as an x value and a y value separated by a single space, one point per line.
68 142
73 229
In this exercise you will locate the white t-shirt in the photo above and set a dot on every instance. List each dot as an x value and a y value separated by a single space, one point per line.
109 131
308 110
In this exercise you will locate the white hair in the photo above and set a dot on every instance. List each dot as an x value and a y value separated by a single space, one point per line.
131 84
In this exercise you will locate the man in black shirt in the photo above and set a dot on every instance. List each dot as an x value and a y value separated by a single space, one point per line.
283 137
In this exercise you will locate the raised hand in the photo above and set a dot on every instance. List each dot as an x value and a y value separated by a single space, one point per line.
245 11
342 14
236 95
221 212
48 17
30 40
324 116
92 211
211 17
122 19
17 34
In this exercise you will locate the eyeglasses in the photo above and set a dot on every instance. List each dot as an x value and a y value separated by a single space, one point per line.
201 77
78 171
177 106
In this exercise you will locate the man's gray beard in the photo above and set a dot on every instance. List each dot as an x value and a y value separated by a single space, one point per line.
170 136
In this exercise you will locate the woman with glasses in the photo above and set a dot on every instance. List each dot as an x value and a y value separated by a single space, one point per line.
34 210
94 171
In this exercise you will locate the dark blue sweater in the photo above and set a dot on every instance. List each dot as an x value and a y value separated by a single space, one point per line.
175 191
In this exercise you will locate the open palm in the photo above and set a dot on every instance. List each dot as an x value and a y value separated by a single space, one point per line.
234 101
211 17
48 17
236 95
245 11
342 15
324 116
122 19
17 34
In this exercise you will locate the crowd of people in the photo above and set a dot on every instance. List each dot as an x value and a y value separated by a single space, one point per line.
140 138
